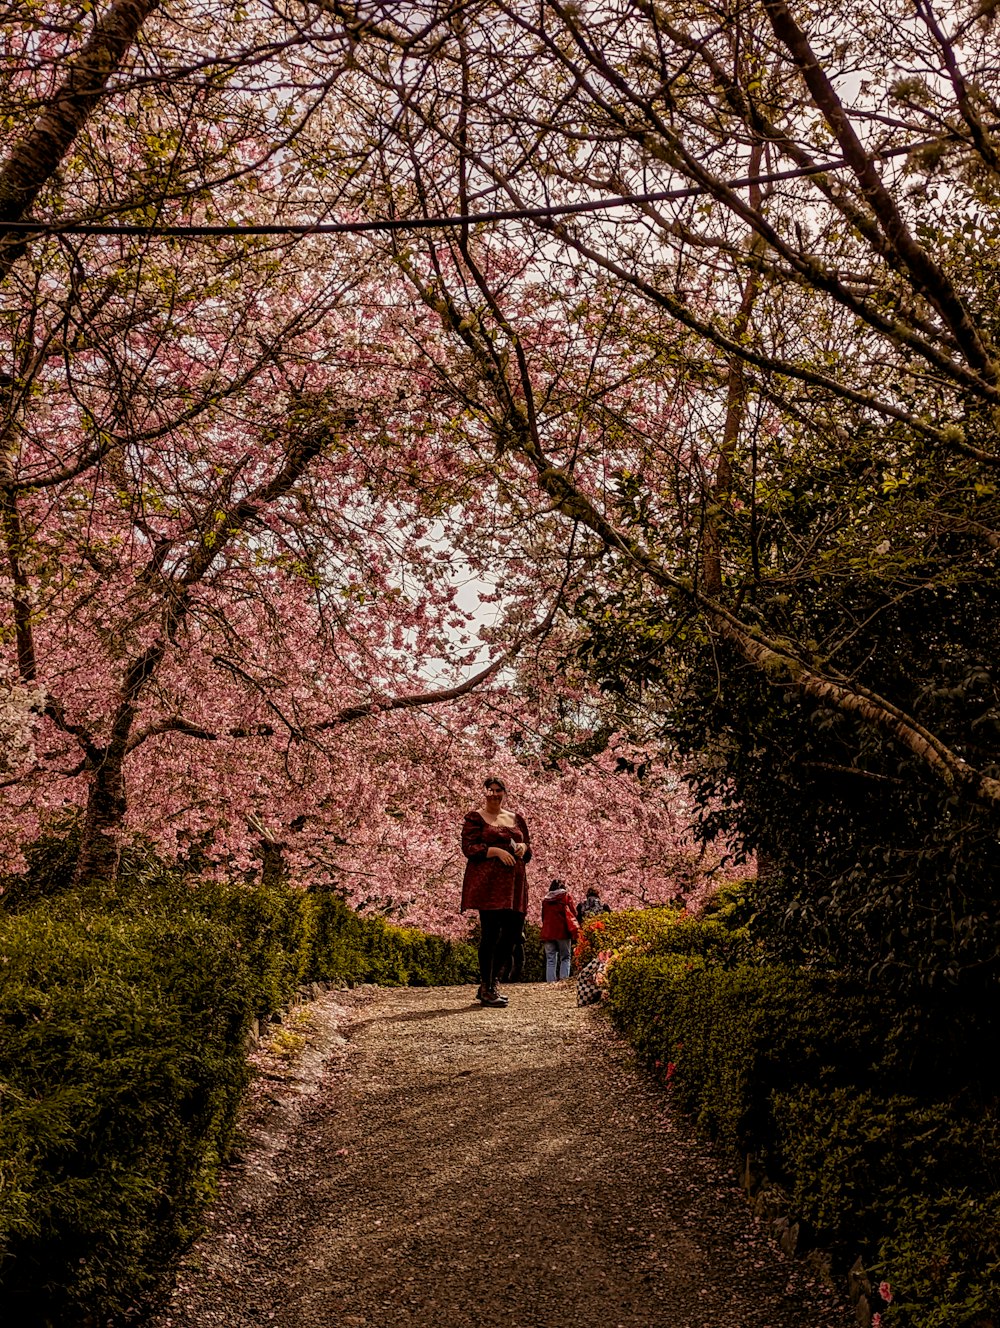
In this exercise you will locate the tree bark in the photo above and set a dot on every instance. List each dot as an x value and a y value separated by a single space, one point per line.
720 494
100 847
37 154
272 862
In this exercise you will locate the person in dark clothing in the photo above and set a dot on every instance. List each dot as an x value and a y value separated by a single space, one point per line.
513 970
591 906
497 848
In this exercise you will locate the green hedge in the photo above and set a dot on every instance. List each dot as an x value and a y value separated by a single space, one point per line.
121 1069
663 931
124 1017
811 1076
731 1037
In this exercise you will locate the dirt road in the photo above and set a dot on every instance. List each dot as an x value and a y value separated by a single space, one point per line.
428 1162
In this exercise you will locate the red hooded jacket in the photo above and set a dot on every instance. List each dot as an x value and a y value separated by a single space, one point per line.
558 916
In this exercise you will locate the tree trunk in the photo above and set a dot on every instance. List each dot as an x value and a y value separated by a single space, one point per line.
100 848
272 862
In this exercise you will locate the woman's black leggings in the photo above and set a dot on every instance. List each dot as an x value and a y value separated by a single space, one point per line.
499 928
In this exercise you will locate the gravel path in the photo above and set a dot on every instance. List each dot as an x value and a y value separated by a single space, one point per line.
428 1162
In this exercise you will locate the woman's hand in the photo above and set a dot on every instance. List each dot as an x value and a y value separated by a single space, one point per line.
506 858
520 849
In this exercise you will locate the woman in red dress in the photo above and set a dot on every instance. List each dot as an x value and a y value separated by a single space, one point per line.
495 842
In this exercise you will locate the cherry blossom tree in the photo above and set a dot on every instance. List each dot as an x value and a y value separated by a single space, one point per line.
196 553
234 477
792 210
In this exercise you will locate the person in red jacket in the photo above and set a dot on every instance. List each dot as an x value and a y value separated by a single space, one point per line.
559 930
497 848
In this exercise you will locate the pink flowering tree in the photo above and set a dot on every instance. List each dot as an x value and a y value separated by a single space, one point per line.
243 480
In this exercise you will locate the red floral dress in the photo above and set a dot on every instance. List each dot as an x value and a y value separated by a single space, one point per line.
488 883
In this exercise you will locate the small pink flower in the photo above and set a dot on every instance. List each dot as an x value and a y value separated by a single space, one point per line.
885 1291
876 1321
671 1067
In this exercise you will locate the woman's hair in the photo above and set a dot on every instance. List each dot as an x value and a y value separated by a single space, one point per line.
493 779
594 891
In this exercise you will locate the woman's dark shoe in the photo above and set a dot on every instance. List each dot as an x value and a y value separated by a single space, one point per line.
496 998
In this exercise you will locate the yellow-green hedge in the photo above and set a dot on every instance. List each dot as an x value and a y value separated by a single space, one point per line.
124 1016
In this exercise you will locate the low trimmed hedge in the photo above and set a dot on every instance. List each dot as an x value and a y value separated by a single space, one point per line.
121 1070
124 1017
825 1085
664 931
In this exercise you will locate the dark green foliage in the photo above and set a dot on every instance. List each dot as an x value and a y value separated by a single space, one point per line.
872 864
123 1029
944 1258
734 1036
121 1069
844 1094
855 1158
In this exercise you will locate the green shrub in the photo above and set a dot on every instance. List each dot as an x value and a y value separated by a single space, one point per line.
345 946
124 1013
824 1083
942 1261
853 1158
663 931
612 931
121 1070
733 905
730 1037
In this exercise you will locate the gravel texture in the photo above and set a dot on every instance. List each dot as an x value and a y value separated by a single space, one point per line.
413 1158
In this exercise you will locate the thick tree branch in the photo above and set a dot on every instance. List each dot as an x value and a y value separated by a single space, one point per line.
350 714
35 157
927 276
780 660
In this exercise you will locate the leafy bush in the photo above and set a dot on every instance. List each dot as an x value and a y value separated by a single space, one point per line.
662 931
854 1159
731 1037
822 1082
124 1015
942 1260
916 1183
121 1070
